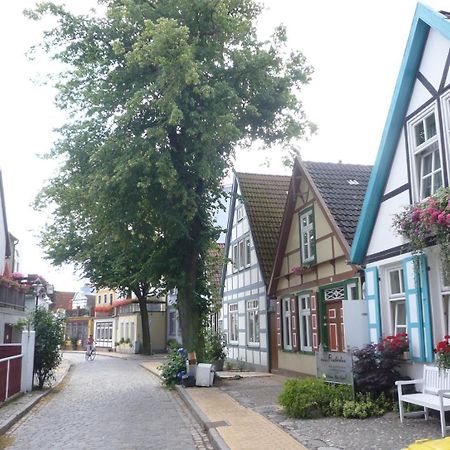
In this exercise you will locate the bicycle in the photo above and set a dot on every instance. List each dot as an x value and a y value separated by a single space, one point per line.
90 355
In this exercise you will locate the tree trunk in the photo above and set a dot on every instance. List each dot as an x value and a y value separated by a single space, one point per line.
146 343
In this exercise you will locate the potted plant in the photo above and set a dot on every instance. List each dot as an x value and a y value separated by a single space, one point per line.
215 350
442 352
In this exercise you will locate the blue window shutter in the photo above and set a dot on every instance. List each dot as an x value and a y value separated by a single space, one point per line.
426 310
373 304
414 320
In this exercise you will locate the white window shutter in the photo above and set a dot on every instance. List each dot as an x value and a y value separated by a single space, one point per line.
373 304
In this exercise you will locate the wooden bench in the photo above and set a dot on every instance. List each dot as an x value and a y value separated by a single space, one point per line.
435 394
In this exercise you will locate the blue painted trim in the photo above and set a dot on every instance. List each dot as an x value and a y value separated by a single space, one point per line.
426 310
373 272
424 18
411 291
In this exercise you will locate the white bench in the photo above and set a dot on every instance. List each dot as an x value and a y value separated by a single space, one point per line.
435 387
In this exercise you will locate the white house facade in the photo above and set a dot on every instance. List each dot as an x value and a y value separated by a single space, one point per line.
407 294
254 219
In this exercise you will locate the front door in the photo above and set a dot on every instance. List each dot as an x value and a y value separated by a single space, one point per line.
7 337
335 325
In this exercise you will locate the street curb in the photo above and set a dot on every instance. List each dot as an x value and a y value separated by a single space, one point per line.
214 436
216 440
8 423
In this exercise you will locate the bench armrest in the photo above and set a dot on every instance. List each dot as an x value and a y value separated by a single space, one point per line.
418 381
443 392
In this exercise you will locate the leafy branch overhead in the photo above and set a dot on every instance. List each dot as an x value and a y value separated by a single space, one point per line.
160 94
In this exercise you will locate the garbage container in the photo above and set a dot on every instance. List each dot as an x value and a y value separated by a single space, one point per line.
428 444
205 375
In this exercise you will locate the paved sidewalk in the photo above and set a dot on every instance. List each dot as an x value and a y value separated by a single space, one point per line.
229 424
16 408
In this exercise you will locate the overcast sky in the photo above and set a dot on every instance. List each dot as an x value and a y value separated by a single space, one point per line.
356 49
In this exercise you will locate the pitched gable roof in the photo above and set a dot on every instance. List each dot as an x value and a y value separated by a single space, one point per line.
264 197
342 188
424 19
339 188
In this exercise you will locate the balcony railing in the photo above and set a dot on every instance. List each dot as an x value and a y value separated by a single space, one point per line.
12 297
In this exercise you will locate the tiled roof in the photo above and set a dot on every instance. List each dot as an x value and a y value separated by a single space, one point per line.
264 197
342 187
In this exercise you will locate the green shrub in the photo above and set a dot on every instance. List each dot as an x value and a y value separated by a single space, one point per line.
176 363
311 397
366 406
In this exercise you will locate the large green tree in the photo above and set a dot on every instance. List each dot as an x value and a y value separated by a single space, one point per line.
160 93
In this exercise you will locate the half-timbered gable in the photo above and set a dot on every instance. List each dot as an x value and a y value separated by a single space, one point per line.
254 220
311 277
409 294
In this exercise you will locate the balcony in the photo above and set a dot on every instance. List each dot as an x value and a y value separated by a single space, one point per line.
12 297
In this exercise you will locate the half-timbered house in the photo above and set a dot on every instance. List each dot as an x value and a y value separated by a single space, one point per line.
311 278
405 293
254 219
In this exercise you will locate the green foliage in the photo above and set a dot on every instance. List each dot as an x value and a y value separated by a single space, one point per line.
74 342
176 363
215 348
49 339
159 95
21 324
310 397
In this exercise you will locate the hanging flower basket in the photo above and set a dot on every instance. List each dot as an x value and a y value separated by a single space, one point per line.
121 302
442 352
300 270
420 222
103 308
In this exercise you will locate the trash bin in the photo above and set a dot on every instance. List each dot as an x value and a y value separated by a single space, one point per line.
205 375
428 444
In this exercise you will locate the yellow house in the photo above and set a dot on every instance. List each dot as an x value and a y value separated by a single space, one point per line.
311 277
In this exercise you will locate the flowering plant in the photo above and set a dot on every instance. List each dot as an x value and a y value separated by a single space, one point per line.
421 221
396 344
300 270
442 352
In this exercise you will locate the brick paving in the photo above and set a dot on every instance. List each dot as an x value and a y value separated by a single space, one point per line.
379 433
107 403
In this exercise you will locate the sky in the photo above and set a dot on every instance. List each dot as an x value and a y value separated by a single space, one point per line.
355 47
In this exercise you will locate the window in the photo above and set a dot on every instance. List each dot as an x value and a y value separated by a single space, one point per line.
99 299
233 322
307 237
424 142
235 258
352 291
110 299
304 308
241 255
397 300
287 344
105 299
253 321
239 214
248 252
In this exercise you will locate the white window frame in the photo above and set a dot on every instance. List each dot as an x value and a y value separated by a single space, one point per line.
248 252
304 313
233 322
253 323
350 286
241 252
287 325
239 213
306 245
395 300
419 151
235 260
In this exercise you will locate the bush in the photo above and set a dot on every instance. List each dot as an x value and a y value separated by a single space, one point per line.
311 397
49 338
375 369
173 367
365 406
214 346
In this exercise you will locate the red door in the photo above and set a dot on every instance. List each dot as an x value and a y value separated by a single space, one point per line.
335 325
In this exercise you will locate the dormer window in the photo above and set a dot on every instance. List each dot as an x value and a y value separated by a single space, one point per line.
426 159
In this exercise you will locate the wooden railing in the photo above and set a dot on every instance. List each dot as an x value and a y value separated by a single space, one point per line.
10 371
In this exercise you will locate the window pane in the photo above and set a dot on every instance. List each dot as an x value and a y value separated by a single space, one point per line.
430 124
437 181
248 262
396 284
426 187
401 314
420 133
427 164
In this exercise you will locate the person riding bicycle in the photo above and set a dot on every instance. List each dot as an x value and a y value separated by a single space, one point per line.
90 345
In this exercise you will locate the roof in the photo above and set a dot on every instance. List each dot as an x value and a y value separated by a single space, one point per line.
342 188
264 197
424 19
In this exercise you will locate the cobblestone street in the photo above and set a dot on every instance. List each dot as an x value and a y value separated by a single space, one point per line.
107 403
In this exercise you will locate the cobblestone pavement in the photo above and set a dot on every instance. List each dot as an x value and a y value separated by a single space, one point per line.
381 433
107 403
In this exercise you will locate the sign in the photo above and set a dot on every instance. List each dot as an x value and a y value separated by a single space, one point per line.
334 367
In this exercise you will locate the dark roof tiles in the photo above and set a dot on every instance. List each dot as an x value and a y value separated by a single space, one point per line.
342 187
264 197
